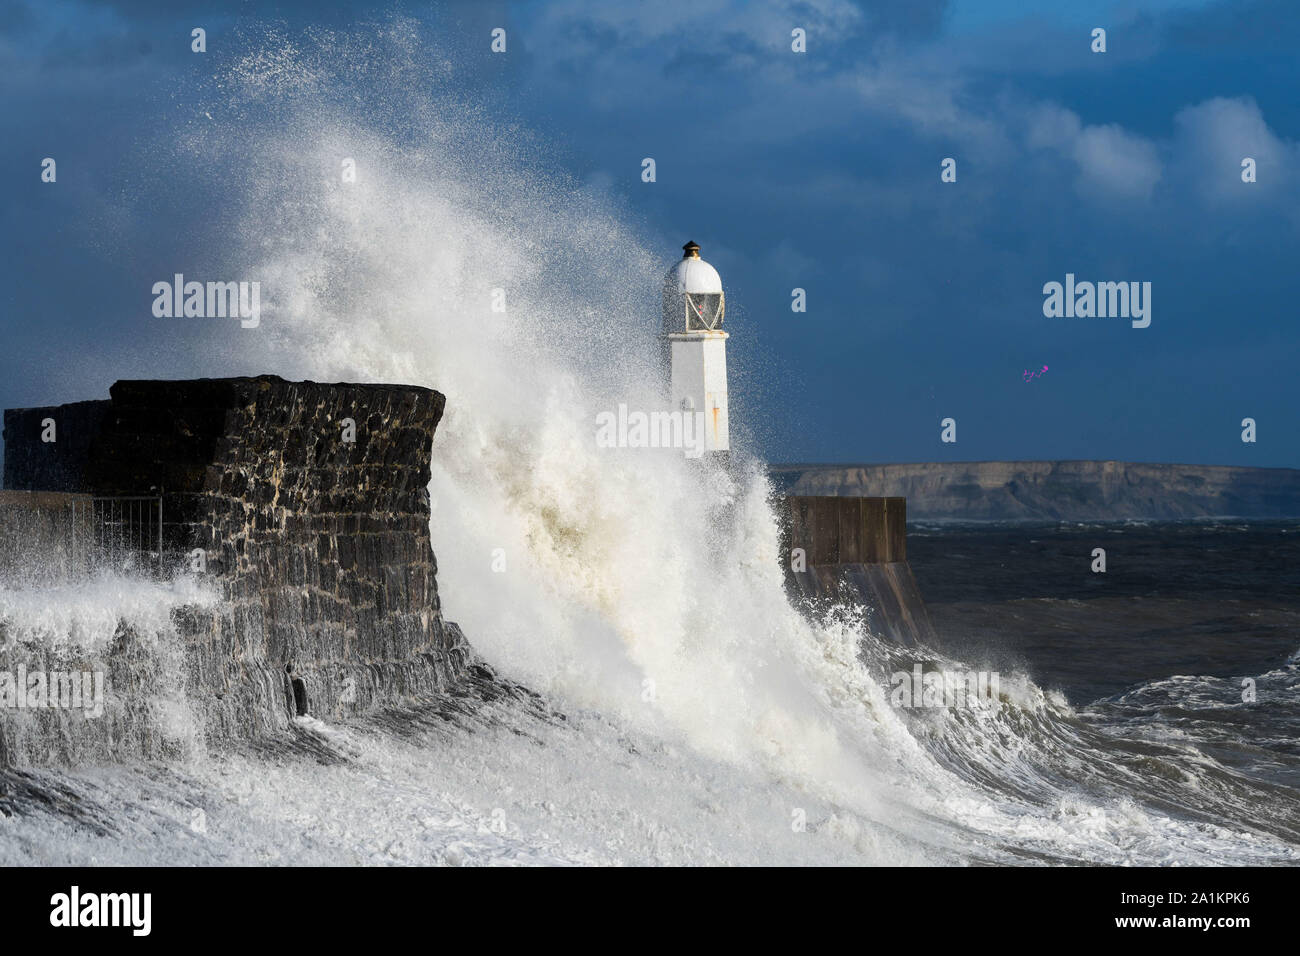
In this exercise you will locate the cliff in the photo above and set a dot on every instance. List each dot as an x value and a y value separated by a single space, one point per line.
1058 490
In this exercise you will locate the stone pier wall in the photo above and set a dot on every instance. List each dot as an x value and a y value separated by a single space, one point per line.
33 463
313 531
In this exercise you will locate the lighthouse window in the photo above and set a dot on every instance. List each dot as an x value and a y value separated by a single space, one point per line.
704 310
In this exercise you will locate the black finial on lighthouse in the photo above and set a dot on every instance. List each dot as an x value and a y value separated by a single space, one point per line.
691 250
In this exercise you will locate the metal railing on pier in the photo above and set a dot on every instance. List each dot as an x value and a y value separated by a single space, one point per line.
47 537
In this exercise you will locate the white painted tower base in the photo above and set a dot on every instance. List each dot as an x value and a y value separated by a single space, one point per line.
699 364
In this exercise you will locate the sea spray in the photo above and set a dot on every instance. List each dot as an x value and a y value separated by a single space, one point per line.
115 637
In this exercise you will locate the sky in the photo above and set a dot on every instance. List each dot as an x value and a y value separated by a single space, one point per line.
817 170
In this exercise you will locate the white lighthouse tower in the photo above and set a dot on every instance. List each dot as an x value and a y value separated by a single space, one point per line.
693 309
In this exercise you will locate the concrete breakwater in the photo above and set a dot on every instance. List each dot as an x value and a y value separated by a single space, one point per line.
853 550
303 507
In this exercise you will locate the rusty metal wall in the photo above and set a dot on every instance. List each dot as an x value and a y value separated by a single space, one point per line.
855 551
844 530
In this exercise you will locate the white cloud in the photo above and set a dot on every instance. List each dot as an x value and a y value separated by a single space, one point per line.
1210 141
1116 161
1110 161
697 23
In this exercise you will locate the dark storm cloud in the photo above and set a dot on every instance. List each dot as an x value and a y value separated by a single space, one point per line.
16 17
908 18
1251 26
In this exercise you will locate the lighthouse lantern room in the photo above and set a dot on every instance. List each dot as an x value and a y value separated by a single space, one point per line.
693 309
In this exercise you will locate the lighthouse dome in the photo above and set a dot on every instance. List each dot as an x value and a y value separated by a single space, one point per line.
693 298
692 275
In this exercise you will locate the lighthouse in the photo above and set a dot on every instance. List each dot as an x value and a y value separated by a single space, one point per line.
693 307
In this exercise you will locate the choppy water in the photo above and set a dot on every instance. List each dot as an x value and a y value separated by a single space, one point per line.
1189 619
1204 597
